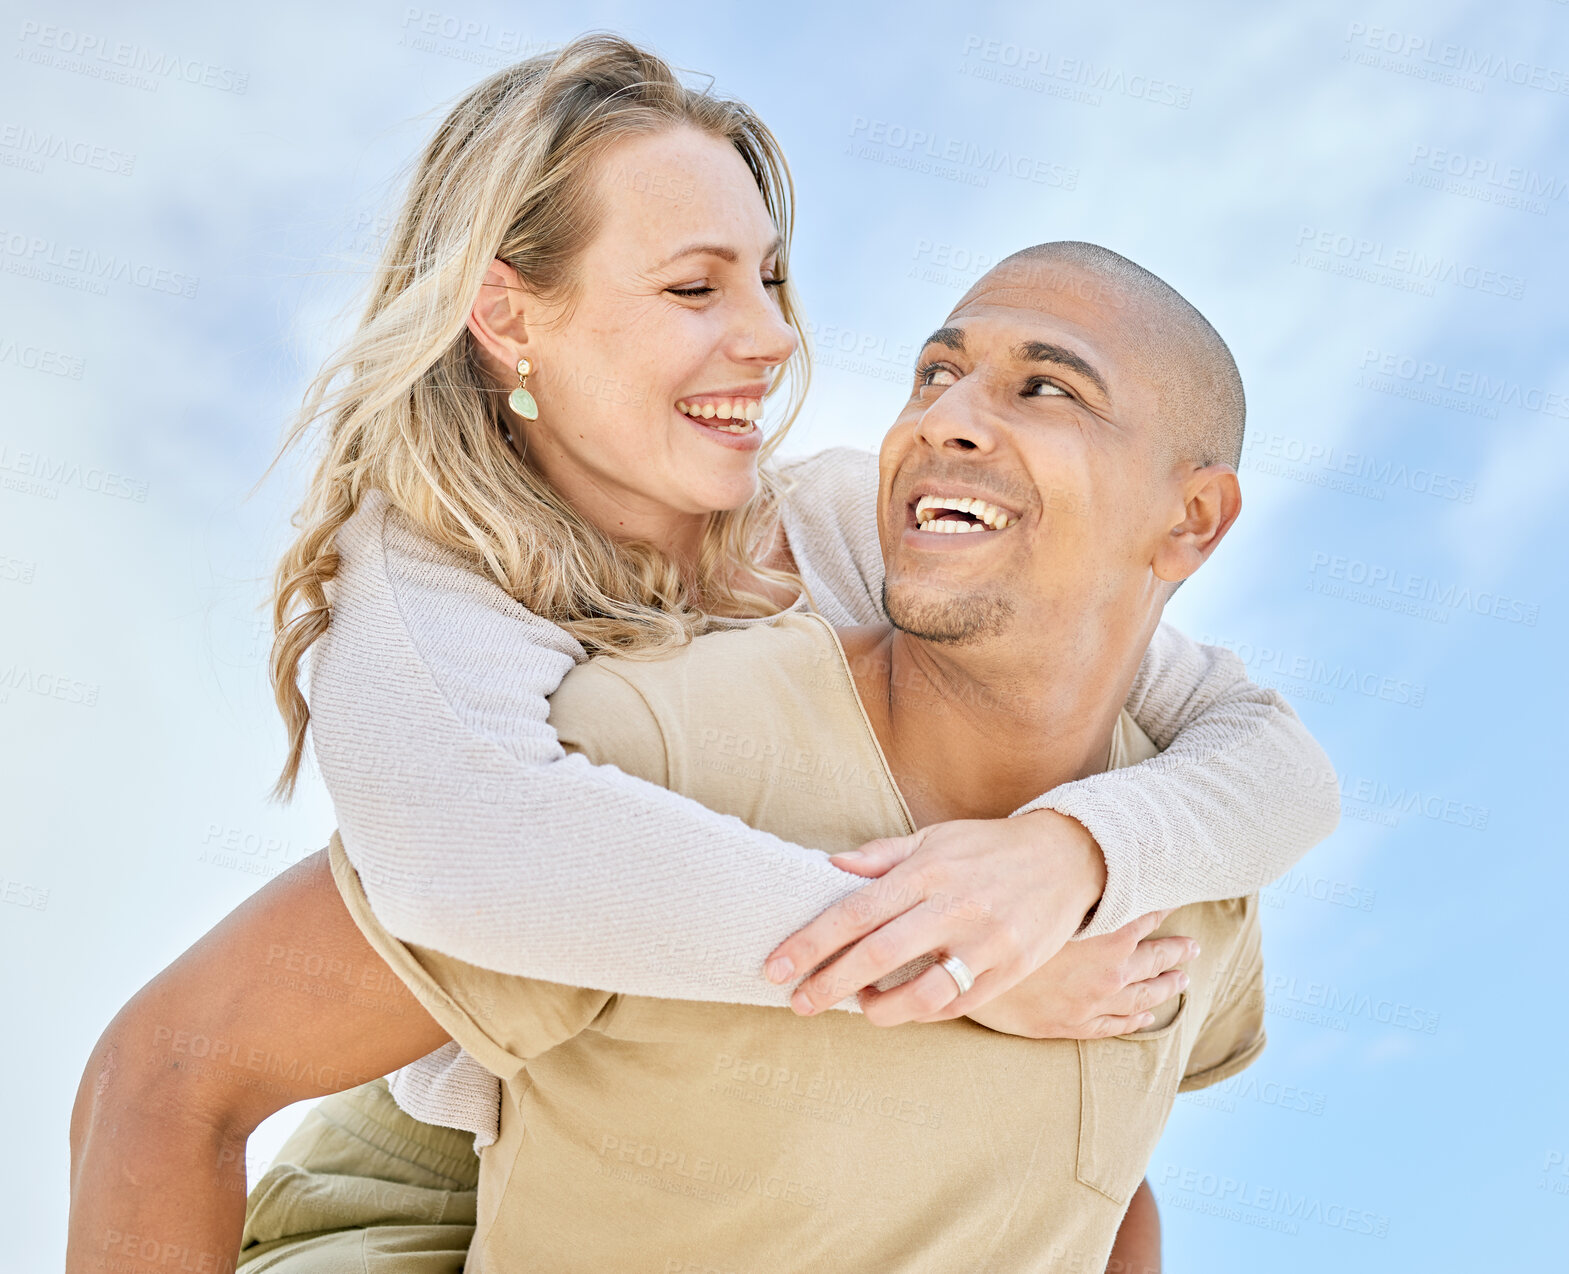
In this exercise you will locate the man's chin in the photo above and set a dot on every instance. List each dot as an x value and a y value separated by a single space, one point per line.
946 617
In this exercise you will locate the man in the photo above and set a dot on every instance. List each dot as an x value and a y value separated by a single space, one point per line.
1056 474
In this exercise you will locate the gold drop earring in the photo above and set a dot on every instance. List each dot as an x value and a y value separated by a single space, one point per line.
520 400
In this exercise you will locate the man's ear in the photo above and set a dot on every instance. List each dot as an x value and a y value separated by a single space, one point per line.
496 319
1211 501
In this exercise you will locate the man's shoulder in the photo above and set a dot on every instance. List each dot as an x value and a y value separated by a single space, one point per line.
786 650
785 677
761 722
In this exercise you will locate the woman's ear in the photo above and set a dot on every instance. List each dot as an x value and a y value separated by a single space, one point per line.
1211 501
496 319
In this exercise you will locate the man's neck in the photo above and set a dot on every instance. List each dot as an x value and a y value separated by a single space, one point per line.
976 733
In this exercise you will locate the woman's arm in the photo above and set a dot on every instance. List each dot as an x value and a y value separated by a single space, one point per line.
1240 792
475 834
248 1021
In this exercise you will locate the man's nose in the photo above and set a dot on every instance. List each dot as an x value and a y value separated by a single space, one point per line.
958 421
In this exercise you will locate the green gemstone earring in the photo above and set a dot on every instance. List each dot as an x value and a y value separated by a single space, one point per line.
520 400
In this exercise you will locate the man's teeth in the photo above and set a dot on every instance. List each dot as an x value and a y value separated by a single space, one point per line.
988 516
741 411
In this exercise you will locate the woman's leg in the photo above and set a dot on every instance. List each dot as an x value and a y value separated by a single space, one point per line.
360 1188
1137 1249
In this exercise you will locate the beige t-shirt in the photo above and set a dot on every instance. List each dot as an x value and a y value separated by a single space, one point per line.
666 1135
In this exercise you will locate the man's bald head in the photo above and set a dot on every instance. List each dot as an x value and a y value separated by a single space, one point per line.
1200 389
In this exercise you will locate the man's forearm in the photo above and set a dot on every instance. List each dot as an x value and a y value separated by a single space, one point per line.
155 1186
149 1203
220 1040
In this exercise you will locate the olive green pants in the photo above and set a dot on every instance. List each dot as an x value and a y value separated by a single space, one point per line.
362 1188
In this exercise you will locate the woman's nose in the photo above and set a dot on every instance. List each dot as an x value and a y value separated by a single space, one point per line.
765 337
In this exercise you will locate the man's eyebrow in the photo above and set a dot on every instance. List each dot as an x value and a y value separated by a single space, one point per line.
1045 352
952 337
721 250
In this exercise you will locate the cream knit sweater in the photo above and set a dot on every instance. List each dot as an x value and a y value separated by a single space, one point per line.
474 833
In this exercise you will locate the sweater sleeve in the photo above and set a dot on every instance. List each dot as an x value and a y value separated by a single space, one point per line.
475 834
1240 791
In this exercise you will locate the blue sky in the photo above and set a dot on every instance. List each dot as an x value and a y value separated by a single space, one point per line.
1369 201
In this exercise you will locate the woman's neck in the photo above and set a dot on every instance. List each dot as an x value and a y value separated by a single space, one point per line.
746 580
681 537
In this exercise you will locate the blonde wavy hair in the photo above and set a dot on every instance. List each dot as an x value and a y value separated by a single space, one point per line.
405 406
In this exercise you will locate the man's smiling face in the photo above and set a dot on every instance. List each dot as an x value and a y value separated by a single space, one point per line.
1026 473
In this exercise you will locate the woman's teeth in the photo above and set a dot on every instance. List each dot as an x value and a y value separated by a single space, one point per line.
988 517
740 412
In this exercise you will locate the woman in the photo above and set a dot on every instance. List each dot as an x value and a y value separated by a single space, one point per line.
603 252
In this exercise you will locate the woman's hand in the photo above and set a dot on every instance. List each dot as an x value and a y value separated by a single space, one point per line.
1096 987
1003 895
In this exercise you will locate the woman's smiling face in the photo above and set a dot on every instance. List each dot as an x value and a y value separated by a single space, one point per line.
650 380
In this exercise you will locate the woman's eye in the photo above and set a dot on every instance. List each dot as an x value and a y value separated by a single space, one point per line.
1044 389
925 376
700 290
774 283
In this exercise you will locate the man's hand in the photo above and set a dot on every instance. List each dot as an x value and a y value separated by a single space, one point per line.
1003 895
1095 988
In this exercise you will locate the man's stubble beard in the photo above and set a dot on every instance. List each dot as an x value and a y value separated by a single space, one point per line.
956 621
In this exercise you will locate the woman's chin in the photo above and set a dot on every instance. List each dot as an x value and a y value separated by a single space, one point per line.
727 494
699 476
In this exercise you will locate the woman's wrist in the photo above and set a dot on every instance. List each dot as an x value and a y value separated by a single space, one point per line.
1081 860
